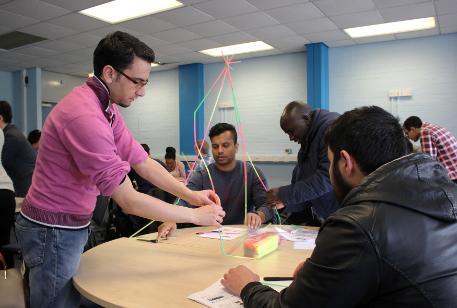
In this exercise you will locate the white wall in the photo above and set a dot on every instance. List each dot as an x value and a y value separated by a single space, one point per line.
363 75
154 118
6 87
55 86
263 86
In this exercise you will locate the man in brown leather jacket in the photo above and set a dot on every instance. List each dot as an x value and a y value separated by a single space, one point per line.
392 242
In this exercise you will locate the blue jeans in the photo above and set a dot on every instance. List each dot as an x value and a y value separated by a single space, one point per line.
52 255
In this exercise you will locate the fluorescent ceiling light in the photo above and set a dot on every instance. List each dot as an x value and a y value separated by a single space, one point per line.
392 27
237 49
154 64
122 10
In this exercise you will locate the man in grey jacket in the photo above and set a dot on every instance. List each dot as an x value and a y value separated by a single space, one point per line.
392 242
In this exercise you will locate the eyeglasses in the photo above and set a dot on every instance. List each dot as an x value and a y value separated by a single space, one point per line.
139 83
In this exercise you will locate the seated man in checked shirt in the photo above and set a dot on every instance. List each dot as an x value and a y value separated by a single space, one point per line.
436 142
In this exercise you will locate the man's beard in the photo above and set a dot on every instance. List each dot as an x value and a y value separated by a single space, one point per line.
340 186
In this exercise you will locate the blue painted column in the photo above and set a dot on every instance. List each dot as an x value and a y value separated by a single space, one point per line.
34 99
317 75
191 92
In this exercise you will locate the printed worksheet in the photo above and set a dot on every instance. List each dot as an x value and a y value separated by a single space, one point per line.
216 296
226 233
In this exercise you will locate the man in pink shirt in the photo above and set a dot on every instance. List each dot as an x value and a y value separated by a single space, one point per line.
87 150
436 142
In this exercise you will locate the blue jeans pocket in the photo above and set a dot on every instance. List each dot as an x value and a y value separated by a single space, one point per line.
32 239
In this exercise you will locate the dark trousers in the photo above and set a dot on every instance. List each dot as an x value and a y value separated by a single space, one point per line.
7 208
455 181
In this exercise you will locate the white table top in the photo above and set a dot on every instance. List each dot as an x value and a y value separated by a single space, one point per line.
131 273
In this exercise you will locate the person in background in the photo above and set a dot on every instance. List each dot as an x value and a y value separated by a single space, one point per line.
34 138
309 199
227 175
365 254
175 167
7 205
436 142
204 158
87 150
18 156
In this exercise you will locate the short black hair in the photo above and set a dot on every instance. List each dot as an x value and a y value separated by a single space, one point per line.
412 122
370 134
220 128
118 49
170 153
5 111
146 148
34 136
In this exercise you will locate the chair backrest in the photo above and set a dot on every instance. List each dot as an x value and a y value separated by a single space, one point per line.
11 287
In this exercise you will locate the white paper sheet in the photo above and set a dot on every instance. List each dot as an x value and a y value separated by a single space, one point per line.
227 233
216 296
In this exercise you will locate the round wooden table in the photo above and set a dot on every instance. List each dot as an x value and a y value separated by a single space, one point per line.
130 273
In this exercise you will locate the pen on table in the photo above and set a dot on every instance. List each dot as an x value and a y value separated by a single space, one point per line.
277 278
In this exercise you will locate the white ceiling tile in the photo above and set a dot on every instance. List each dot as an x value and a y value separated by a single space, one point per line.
335 35
358 19
340 43
408 12
374 39
270 32
200 44
448 30
414 34
85 52
35 9
152 41
194 57
147 25
68 58
286 43
447 21
4 29
224 8
102 32
78 5
191 2
84 39
234 38
14 56
295 13
78 22
390 3
251 21
313 25
446 6
212 28
47 30
176 35
36 51
164 60
60 46
271 4
184 16
15 21
42 62
171 49
339 7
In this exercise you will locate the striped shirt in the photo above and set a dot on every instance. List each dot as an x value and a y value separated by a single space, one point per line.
440 144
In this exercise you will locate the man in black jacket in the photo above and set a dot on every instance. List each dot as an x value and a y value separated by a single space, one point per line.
392 242
309 199
18 156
